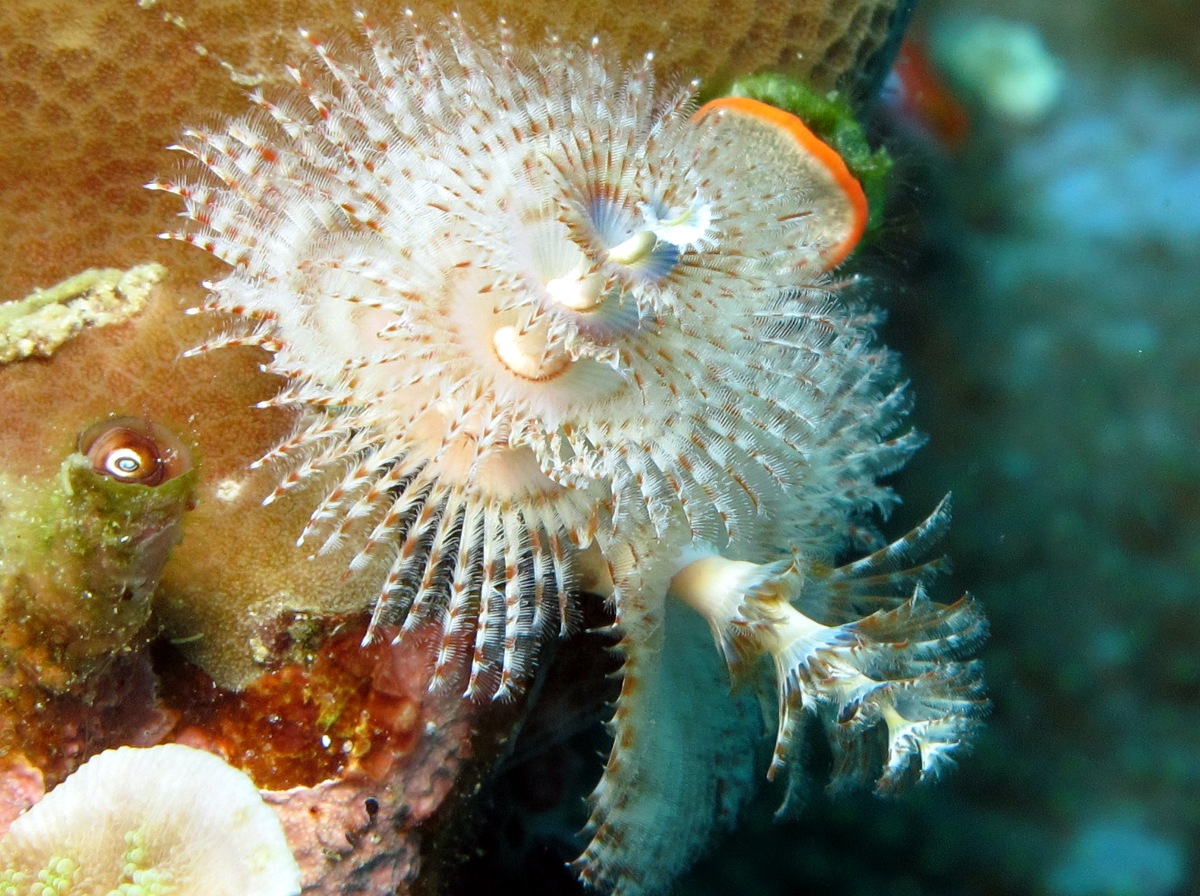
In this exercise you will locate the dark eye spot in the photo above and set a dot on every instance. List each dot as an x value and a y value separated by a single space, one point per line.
130 449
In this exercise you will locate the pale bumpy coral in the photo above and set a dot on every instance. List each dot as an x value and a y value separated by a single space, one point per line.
546 330
149 822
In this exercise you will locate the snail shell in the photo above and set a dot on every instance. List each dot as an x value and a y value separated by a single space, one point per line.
134 450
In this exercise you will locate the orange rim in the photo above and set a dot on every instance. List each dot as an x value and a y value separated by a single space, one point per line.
825 154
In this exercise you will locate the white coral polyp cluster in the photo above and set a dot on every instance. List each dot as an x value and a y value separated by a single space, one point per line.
539 319
168 820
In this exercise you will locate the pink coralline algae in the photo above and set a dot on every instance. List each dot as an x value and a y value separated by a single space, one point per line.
546 331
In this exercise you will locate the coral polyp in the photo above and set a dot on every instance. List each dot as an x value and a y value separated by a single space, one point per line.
168 819
545 331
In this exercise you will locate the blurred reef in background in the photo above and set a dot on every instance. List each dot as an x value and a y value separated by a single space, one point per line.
1043 284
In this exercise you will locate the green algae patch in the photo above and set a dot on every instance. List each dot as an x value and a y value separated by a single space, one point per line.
37 325
80 559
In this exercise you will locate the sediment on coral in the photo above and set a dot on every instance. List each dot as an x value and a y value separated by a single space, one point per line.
38 324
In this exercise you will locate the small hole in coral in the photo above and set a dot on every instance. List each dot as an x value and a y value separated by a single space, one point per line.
372 806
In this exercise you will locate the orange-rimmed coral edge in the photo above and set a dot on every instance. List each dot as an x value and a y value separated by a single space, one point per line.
828 157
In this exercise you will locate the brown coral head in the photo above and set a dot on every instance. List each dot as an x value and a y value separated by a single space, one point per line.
133 450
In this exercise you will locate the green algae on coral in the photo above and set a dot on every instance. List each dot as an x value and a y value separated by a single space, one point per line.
45 319
80 558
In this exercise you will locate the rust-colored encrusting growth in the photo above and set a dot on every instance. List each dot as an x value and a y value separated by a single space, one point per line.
341 710
53 733
362 761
